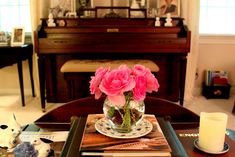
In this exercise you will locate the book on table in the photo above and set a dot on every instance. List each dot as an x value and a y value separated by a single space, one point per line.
96 144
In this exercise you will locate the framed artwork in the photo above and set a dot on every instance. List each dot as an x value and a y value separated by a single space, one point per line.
3 38
17 37
111 13
59 8
84 4
169 6
152 8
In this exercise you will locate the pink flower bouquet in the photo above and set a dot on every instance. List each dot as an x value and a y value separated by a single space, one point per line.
125 89
115 83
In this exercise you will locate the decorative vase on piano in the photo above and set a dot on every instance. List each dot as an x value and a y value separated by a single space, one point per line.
126 90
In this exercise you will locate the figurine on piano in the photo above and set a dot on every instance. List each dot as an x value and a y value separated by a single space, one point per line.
50 21
168 20
157 22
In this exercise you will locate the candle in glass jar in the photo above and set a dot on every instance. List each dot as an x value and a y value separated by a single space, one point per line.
212 131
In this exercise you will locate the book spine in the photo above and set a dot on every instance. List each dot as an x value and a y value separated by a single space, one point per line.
216 77
176 146
73 142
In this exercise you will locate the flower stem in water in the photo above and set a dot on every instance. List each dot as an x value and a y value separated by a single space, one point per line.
126 123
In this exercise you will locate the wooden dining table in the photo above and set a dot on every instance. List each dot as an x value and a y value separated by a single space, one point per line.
179 125
181 141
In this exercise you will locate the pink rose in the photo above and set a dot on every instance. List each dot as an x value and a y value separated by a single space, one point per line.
139 91
140 70
152 83
95 81
115 83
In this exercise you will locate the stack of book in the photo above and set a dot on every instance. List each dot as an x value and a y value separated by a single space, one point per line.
96 144
216 78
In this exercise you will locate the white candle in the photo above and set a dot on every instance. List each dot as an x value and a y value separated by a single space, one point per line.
212 131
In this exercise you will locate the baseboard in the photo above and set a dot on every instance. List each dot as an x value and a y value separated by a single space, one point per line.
197 91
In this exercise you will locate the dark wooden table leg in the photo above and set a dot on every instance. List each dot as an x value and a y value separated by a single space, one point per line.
41 70
31 74
183 64
20 73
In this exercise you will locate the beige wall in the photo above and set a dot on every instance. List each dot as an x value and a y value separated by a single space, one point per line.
216 53
9 81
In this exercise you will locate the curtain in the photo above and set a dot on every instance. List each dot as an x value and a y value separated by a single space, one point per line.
191 15
38 9
34 10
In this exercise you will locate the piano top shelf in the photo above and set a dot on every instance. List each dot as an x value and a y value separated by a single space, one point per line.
103 22
120 25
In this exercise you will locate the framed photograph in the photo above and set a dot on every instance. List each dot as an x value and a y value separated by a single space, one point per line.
59 8
111 13
3 38
84 4
152 8
17 37
169 6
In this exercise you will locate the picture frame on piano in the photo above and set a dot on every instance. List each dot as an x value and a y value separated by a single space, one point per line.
18 36
3 38
84 4
109 12
59 8
152 8
169 6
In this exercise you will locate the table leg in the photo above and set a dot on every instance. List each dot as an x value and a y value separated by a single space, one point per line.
20 73
41 70
183 64
31 74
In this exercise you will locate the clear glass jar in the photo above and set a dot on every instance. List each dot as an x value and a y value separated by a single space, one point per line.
123 118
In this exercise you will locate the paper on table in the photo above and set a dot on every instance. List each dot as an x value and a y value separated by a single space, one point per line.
55 136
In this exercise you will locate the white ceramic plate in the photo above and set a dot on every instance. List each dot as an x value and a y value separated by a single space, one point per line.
143 128
226 148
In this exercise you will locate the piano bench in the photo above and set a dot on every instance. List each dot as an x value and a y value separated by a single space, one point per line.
77 73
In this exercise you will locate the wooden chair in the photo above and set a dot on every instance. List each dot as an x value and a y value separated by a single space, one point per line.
177 114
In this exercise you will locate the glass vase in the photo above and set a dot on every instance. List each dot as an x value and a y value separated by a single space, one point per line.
124 118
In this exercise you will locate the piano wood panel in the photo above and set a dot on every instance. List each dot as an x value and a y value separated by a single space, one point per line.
167 46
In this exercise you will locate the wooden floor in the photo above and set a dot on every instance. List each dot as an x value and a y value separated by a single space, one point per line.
32 110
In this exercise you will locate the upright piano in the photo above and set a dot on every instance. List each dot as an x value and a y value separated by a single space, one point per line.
112 38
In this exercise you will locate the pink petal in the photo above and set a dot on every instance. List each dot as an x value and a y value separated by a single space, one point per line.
118 100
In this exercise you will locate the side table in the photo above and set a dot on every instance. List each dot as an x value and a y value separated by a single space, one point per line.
11 55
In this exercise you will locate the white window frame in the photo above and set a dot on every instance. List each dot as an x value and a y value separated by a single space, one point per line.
16 19
214 38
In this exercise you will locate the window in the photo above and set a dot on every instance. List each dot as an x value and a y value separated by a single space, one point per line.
14 13
217 17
